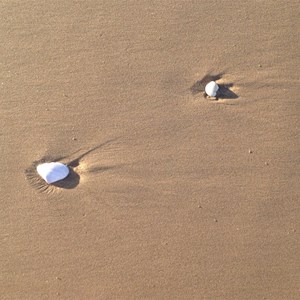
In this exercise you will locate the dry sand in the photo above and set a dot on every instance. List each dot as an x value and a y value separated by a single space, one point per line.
174 196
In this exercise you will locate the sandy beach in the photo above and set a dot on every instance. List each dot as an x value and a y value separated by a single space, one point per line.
172 195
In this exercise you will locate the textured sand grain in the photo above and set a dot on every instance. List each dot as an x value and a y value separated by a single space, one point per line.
174 206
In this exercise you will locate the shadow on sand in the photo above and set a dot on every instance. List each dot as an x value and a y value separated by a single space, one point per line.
70 182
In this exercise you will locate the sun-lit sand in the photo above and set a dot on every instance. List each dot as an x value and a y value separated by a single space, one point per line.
171 195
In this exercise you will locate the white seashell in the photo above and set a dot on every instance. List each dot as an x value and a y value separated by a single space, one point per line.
211 89
53 171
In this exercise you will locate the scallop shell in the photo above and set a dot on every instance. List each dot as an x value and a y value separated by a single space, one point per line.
211 89
53 171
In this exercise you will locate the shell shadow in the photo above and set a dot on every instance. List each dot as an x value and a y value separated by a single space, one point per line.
70 182
224 91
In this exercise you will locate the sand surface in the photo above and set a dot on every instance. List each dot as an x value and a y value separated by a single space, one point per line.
173 196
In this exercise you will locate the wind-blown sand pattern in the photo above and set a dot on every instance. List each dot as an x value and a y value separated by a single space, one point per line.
76 168
171 195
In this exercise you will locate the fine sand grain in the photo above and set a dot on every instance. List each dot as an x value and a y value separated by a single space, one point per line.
171 195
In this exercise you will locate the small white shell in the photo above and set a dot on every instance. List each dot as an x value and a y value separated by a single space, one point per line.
53 171
211 89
